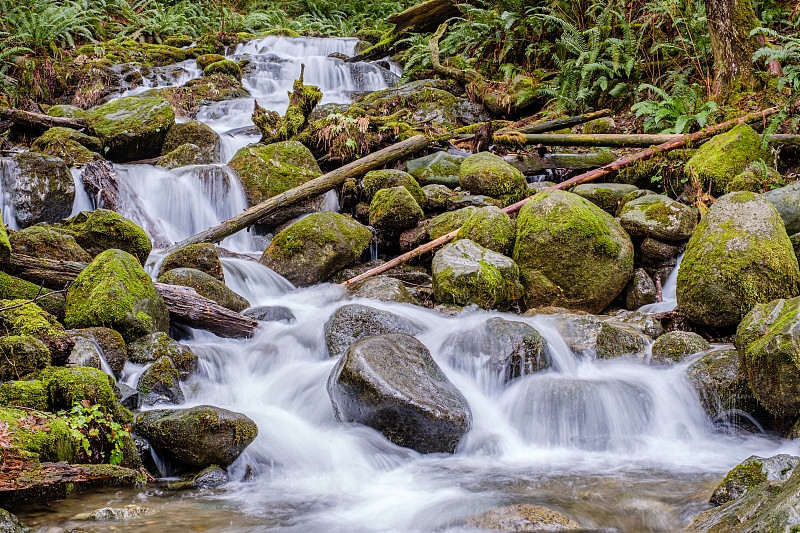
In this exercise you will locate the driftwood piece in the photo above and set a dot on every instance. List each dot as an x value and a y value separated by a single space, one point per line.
610 140
37 121
308 190
691 138
184 304
101 182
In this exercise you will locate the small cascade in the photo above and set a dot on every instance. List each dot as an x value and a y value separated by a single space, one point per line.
8 169
669 293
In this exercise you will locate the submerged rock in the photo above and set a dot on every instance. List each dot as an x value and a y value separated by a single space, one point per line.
522 517
352 322
9 523
391 383
114 513
270 313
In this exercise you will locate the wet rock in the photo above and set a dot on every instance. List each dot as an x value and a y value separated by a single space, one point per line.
491 228
721 383
9 523
739 256
655 252
675 346
719 160
101 229
5 245
313 249
414 237
571 253
131 128
184 155
114 513
391 383
21 355
752 472
466 273
647 323
461 200
786 201
46 242
436 196
41 187
352 322
160 384
393 210
84 353
205 285
115 291
153 347
384 288
111 345
449 221
606 196
196 133
522 517
488 174
270 313
207 59
199 436
208 478
376 180
439 168
640 291
129 397
30 319
226 67
768 340
616 340
659 217
203 257
199 92
73 147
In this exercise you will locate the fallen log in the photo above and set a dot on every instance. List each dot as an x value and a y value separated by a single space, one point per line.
101 183
691 138
551 125
38 121
308 190
184 304
609 140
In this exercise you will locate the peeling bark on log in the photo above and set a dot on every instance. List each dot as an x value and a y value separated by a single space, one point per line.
37 121
101 182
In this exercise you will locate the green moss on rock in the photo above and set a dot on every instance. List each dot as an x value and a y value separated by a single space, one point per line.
491 228
160 383
606 196
488 174
375 180
73 147
659 217
449 221
226 66
30 319
196 133
394 210
13 288
101 229
31 394
51 440
205 285
47 242
67 386
677 345
202 256
205 60
21 355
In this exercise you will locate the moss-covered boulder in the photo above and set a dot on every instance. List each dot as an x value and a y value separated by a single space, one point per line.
65 111
30 319
675 346
114 291
436 196
606 196
46 242
13 288
488 174
659 217
42 188
160 383
31 394
184 155
718 161
786 201
768 339
268 170
384 288
451 220
199 436
202 256
721 383
599 125
466 273
756 177
439 168
73 147
391 383
491 228
205 285
226 66
352 322
739 256
187 99
752 472
620 340
110 343
375 180
394 210
48 437
131 128
521 517
205 60
196 133
21 355
68 386
313 249
101 229
153 347
641 290
571 253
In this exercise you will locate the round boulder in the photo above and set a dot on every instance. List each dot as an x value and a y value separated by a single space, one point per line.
488 174
674 346
101 229
606 196
786 201
352 322
491 228
721 383
153 347
659 217
46 242
394 210
202 256
41 187
160 383
391 383
196 133
375 180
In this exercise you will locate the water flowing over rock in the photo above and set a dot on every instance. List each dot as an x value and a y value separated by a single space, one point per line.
721 383
571 253
391 383
160 384
354 321
153 347
199 436
739 256
109 342
640 291
522 517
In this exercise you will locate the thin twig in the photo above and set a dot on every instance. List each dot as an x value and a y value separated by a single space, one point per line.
36 298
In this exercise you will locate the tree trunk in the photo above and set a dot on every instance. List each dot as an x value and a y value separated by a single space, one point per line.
729 26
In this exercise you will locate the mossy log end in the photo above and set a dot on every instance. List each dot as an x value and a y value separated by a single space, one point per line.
302 101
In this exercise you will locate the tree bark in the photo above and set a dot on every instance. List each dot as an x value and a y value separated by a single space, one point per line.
729 26
37 121
101 182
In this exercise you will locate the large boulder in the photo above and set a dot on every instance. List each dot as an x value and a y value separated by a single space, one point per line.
391 383
466 273
131 128
721 383
440 168
46 242
22 318
739 256
768 340
115 291
41 187
394 210
101 229
13 288
73 147
659 217
199 436
313 249
375 180
50 438
196 133
110 343
675 346
159 383
21 355
721 159
488 174
571 253
205 285
202 256
352 322
67 386
786 201
606 196
491 228
752 472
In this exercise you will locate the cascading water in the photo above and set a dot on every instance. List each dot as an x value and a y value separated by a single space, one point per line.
617 445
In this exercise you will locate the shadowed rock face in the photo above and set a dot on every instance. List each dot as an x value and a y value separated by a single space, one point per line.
391 383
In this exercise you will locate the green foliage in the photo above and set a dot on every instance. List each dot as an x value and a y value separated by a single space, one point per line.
785 53
681 112
43 26
100 438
